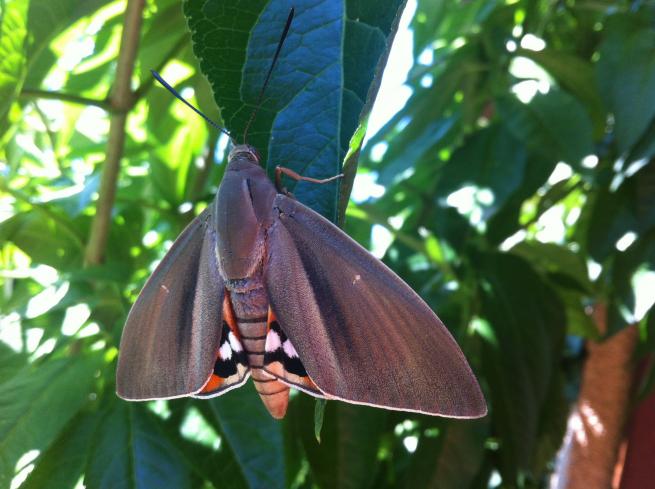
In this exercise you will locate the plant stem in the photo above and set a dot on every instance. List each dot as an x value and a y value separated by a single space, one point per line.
64 97
121 100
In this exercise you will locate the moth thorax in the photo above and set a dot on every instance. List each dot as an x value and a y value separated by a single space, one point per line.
244 151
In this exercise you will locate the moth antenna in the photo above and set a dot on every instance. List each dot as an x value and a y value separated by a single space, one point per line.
182 99
268 75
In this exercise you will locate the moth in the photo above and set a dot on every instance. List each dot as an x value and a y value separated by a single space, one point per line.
259 285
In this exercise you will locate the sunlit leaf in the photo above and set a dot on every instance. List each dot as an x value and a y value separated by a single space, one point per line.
56 386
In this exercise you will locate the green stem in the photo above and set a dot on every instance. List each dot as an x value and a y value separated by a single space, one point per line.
122 99
64 97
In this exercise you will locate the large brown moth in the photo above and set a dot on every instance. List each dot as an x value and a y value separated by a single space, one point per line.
260 286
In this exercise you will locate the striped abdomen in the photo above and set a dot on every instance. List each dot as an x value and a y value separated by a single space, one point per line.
251 314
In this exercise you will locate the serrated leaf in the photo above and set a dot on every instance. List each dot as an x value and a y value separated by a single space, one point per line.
318 91
28 399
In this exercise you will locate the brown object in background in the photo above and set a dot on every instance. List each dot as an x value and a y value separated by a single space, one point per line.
639 469
595 427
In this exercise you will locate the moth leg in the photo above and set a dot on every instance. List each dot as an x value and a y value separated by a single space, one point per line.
279 170
282 361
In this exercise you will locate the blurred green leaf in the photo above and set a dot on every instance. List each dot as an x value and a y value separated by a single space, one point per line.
47 237
450 460
492 159
626 74
528 325
552 258
575 75
13 40
53 386
11 362
554 125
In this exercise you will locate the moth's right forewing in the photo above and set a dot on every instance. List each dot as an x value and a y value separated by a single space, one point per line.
171 336
363 335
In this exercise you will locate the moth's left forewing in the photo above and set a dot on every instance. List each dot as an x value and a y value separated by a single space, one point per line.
170 339
363 335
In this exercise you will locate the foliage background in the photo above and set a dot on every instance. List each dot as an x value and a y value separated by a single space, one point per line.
519 190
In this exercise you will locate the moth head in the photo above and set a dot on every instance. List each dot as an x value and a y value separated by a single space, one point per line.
245 151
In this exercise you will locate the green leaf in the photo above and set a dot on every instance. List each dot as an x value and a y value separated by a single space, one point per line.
553 258
47 237
13 37
553 125
613 213
626 74
60 387
491 158
450 460
347 454
320 90
527 321
131 452
62 465
10 362
254 436
319 413
575 75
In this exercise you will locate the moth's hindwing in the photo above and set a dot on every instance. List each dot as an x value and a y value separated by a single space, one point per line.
231 368
282 361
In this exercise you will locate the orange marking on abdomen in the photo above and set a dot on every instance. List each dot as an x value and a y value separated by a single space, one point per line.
229 316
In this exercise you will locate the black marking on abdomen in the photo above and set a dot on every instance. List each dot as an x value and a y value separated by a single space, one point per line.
260 319
253 338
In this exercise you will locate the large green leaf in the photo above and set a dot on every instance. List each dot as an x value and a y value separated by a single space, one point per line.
131 452
36 404
520 355
626 74
554 125
319 90
62 465
253 435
